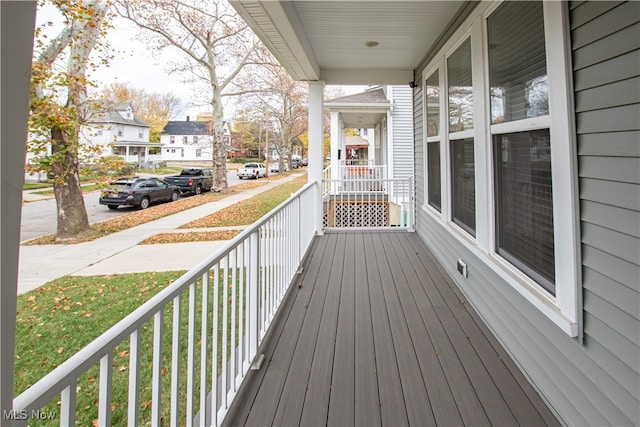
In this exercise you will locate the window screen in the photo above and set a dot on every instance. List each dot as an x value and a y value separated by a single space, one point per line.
517 58
460 89
463 190
433 154
524 208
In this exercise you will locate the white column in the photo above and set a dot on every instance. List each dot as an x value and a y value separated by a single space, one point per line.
336 144
17 26
316 139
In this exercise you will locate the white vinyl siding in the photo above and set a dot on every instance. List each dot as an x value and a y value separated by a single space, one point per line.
592 379
468 202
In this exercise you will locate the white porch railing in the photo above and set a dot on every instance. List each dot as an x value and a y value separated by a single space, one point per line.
362 171
216 316
368 203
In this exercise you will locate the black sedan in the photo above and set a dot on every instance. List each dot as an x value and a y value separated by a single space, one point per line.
140 192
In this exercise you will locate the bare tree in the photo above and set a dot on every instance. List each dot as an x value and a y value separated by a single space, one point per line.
56 124
285 104
216 46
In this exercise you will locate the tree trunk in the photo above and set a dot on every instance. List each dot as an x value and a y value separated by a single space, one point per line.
219 150
72 213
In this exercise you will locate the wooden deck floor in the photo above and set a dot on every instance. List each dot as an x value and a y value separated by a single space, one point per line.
375 333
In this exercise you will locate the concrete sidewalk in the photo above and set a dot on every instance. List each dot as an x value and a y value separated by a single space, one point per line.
120 253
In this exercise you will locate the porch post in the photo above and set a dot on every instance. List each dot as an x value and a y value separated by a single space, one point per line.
316 150
336 144
17 23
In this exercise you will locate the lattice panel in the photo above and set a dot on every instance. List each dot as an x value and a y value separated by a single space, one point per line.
354 214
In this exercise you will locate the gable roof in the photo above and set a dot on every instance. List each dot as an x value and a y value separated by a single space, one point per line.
374 96
356 142
361 110
187 127
112 116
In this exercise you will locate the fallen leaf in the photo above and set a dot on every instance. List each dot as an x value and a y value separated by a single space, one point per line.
145 404
122 368
60 350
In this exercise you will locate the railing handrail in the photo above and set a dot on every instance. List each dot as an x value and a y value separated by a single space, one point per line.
66 373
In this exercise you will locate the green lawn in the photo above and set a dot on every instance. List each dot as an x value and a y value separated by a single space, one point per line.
61 317
65 315
35 185
249 211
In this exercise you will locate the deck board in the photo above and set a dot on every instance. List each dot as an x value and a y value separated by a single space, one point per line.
377 334
366 403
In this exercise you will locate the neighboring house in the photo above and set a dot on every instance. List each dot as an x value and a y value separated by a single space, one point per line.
191 140
384 117
119 132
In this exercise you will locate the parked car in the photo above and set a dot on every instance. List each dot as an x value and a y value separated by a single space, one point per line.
252 170
140 192
275 167
192 180
295 163
304 162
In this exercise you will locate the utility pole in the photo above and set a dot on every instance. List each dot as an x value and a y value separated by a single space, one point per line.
266 151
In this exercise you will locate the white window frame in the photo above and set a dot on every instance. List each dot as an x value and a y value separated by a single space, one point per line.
563 309
435 68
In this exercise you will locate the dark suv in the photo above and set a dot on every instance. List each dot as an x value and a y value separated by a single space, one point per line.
140 192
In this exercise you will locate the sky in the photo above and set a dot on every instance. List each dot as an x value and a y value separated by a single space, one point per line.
135 64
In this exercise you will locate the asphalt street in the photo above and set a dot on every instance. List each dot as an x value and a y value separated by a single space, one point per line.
39 217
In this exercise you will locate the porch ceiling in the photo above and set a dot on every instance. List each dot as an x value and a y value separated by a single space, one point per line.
327 40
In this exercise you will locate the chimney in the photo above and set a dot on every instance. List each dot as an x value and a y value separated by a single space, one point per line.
187 118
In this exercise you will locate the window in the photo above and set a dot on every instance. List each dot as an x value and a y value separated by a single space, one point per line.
505 169
120 130
172 140
198 152
463 185
460 89
195 139
517 62
432 102
519 90
185 139
140 133
432 88
524 205
433 156
460 102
